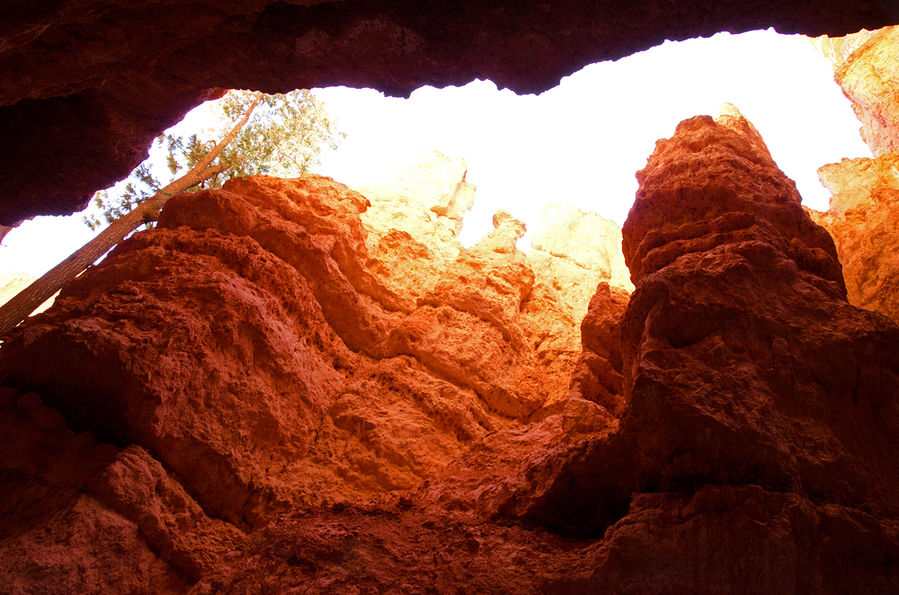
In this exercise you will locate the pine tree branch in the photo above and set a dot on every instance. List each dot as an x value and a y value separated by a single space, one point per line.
210 157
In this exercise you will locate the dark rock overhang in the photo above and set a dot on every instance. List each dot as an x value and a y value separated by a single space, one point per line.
86 84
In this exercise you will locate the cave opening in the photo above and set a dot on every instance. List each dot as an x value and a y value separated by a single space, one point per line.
297 384
577 144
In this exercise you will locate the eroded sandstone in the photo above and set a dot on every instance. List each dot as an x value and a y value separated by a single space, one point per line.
864 222
83 516
864 217
723 383
414 219
758 416
865 67
573 251
247 398
254 347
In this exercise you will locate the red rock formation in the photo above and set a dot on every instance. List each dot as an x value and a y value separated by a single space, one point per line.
571 253
599 373
415 215
756 445
487 283
85 85
266 412
254 278
247 366
792 393
249 346
83 516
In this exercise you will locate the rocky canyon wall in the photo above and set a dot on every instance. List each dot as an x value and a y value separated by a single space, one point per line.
286 386
85 85
276 346
864 222
864 210
293 385
865 67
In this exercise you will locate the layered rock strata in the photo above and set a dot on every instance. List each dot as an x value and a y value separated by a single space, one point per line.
86 85
247 345
258 410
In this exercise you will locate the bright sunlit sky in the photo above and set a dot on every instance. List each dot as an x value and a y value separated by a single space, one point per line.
580 142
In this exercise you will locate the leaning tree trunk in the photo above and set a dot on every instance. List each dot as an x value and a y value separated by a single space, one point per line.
25 302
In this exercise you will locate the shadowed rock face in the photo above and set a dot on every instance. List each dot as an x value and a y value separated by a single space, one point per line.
249 399
253 351
286 387
774 389
250 343
86 84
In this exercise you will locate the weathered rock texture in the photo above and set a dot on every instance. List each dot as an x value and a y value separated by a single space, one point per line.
86 84
865 66
599 375
789 394
415 216
573 251
239 401
864 222
757 442
274 346
83 516
267 362
864 210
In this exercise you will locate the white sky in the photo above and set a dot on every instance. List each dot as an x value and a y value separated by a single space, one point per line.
580 142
